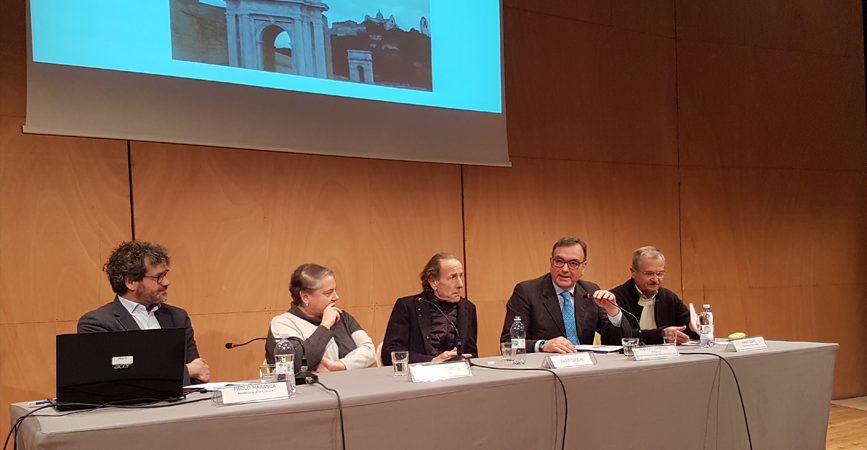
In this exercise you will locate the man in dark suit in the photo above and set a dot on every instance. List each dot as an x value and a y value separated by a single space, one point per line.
437 324
660 312
559 310
138 273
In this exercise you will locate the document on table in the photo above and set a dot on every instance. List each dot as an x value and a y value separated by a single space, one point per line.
598 348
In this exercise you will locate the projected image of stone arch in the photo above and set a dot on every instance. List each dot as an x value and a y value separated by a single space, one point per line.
381 42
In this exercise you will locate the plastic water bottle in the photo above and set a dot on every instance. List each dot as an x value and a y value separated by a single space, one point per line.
519 345
284 361
705 321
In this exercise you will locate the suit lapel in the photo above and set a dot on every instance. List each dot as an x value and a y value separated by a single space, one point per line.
552 304
123 316
164 318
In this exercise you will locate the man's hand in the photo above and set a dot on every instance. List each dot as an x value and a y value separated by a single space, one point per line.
449 354
330 316
682 338
559 345
327 365
607 300
199 370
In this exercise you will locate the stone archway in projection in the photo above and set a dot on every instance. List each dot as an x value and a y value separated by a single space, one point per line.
251 23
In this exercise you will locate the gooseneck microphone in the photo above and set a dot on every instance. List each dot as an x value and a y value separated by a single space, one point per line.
621 309
460 347
231 345
302 377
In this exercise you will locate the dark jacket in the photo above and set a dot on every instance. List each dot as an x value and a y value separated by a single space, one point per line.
409 328
668 309
537 303
114 317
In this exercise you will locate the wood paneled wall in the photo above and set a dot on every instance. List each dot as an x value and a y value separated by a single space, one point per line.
731 135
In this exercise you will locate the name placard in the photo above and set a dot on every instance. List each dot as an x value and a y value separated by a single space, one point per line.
568 360
749 344
254 392
655 352
439 371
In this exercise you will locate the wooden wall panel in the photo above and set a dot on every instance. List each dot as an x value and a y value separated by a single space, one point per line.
769 228
779 253
750 107
586 92
27 360
13 56
514 216
63 204
239 222
830 28
646 16
415 213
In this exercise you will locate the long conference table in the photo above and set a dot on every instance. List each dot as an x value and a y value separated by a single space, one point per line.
690 402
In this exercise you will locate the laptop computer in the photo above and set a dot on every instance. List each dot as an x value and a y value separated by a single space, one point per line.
119 367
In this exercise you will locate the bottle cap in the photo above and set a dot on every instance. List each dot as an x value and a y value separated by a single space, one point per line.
284 335
517 318
706 306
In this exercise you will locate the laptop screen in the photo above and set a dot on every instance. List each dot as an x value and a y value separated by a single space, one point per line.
119 367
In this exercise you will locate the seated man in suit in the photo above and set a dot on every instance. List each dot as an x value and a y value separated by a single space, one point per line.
660 311
437 324
138 273
559 310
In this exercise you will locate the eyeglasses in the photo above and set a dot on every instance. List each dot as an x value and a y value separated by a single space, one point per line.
654 274
574 264
158 278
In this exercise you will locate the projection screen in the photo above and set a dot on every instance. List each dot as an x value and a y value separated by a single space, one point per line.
417 80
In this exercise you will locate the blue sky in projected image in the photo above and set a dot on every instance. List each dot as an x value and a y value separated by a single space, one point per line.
406 12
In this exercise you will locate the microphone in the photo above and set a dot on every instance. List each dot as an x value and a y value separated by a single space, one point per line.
621 309
460 355
231 345
302 377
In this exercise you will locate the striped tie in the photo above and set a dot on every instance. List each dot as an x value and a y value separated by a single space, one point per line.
569 318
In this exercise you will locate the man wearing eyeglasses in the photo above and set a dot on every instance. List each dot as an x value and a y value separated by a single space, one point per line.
138 273
560 310
660 311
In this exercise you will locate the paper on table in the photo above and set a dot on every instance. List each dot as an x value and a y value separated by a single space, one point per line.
598 348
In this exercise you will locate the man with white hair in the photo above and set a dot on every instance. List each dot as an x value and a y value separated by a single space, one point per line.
660 311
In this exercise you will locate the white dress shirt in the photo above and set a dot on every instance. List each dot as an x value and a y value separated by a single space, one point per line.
144 318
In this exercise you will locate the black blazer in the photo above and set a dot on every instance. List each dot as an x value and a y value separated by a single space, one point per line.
409 328
114 317
537 303
669 311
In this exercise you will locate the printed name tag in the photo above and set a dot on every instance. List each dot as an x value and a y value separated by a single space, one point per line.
747 344
439 371
655 352
579 359
255 392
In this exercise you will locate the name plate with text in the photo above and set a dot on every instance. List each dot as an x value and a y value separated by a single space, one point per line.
569 360
655 352
749 344
439 371
253 392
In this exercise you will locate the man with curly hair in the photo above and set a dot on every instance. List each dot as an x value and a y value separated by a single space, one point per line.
138 273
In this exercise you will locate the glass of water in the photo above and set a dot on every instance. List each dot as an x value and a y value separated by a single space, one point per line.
506 351
400 362
629 344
